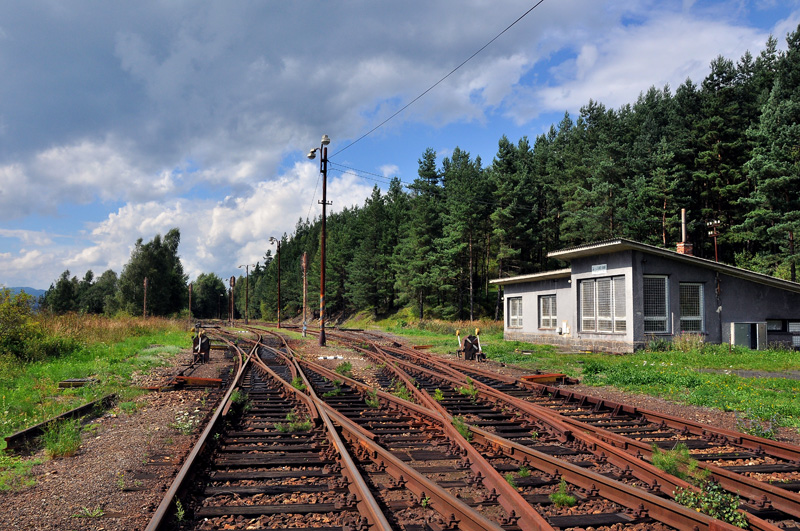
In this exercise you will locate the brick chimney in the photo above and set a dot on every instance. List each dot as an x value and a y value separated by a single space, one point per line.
684 247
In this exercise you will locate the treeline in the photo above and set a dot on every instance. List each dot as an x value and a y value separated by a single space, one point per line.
157 261
727 150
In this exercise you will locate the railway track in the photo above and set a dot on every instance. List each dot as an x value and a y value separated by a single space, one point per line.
760 470
461 448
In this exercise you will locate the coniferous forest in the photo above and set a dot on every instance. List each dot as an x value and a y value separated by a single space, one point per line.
726 148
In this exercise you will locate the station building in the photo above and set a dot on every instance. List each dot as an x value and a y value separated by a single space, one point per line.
618 295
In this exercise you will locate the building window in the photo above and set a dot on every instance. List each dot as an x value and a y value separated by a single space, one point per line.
656 303
548 317
602 303
774 325
515 312
691 307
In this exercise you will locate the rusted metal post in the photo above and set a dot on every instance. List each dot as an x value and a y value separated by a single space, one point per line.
305 290
324 167
231 307
278 256
144 303
190 302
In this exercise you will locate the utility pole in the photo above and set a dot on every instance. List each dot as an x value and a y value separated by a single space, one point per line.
714 232
144 304
323 168
305 290
230 301
278 255
190 303
246 292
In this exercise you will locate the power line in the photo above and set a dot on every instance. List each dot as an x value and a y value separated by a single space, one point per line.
412 102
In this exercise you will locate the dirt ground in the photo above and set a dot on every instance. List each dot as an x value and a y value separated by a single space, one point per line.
128 460
125 463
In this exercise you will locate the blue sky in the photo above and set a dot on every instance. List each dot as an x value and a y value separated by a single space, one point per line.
123 120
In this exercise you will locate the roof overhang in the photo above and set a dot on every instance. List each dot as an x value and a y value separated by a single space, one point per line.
618 245
534 277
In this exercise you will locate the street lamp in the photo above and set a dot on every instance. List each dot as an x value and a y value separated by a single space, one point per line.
278 254
323 168
219 309
246 291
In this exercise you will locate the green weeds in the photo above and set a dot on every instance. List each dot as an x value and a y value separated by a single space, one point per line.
294 423
186 422
678 463
462 427
345 369
15 472
438 395
298 383
62 438
86 512
562 497
372 399
471 391
714 501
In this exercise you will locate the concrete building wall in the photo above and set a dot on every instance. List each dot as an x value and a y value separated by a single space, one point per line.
726 299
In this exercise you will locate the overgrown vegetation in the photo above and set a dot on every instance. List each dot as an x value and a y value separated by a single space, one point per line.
62 438
108 350
15 472
294 423
345 369
562 497
372 399
713 500
708 497
462 427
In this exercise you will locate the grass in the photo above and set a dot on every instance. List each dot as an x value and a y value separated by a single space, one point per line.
110 350
294 423
62 439
562 497
462 427
15 472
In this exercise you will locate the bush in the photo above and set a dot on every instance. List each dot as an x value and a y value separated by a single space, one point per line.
712 500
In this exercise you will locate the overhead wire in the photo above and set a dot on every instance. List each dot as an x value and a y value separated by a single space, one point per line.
453 71
420 96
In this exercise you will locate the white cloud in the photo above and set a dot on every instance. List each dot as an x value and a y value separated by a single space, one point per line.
625 61
218 235
28 237
389 170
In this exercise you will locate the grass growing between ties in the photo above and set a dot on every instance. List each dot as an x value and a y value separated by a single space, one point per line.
462 427
562 497
294 423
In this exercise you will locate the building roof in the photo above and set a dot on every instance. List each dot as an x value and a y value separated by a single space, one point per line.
621 244
534 277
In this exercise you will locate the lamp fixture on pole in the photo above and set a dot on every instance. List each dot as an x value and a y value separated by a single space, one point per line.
323 168
278 255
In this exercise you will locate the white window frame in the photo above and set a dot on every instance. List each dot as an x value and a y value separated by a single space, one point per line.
698 321
515 312
602 305
654 319
548 312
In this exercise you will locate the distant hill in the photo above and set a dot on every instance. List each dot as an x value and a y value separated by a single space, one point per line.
33 292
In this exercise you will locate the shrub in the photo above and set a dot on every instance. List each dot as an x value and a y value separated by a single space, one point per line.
712 500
